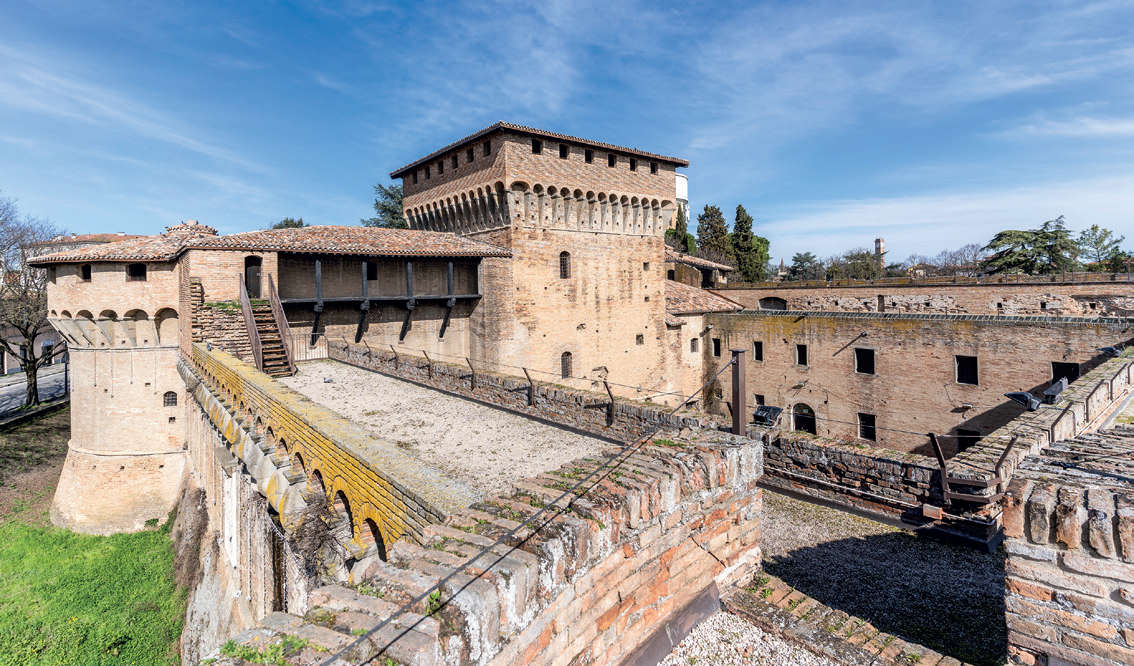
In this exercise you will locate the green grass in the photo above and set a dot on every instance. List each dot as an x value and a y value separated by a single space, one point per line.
68 598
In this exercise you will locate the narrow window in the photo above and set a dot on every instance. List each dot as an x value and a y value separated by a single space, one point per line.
136 272
866 428
1060 370
537 146
611 160
487 148
693 345
415 176
440 167
717 347
565 365
881 303
757 350
653 167
85 272
639 339
469 156
1094 306
671 274
169 399
1000 307
454 162
1043 305
588 156
967 370
427 172
645 265
633 164
864 361
371 270
564 265
563 151
758 398
801 354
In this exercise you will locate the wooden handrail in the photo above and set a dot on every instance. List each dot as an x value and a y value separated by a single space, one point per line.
281 322
250 325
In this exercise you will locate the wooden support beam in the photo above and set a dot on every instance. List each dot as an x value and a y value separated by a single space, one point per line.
941 463
428 363
318 301
363 308
449 283
411 303
609 405
472 377
397 363
531 388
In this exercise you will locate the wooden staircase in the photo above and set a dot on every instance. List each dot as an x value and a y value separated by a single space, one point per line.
275 363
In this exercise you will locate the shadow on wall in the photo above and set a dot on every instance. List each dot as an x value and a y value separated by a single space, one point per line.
947 597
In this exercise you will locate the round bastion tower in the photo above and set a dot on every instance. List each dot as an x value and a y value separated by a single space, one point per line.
117 307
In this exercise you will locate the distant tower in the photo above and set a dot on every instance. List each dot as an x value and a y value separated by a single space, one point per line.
880 252
682 185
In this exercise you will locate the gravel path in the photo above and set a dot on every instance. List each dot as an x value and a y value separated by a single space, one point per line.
484 447
728 640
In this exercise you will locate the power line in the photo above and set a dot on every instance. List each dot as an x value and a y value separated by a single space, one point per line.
628 448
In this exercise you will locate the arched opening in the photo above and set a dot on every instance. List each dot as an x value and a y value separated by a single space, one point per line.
342 510
169 399
252 266
299 463
773 303
803 418
166 322
317 483
371 536
564 265
565 365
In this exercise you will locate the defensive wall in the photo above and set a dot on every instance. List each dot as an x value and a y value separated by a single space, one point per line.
1060 295
870 376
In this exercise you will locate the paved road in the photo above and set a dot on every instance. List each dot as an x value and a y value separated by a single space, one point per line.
12 396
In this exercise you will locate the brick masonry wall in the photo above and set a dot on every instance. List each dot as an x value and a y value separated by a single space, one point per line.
1066 299
674 520
584 410
914 386
1070 573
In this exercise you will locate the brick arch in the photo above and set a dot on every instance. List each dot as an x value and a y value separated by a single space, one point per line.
315 481
340 504
372 537
108 314
166 321
66 314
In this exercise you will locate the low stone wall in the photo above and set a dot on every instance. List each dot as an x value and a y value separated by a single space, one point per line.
856 475
1070 573
574 408
603 582
285 439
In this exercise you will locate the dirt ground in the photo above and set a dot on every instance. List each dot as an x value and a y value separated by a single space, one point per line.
483 447
31 458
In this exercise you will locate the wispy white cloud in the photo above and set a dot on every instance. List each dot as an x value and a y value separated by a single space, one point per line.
1081 127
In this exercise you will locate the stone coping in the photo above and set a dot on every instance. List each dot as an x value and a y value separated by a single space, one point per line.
945 281
1023 320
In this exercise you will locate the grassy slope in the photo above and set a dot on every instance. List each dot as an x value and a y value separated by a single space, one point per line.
67 598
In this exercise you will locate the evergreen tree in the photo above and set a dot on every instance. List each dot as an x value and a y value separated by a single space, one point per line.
1099 245
751 251
289 223
805 266
712 237
1047 249
679 237
388 206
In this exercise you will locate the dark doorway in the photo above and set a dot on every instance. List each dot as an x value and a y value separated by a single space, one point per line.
252 275
773 303
1060 370
803 418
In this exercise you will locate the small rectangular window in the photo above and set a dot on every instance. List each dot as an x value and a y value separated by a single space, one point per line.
537 146
611 160
371 270
653 167
136 272
967 370
693 344
415 176
469 156
427 172
801 354
639 339
1068 370
440 167
85 272
758 399
588 156
453 162
633 164
671 274
717 347
563 151
866 429
757 350
645 265
487 148
864 361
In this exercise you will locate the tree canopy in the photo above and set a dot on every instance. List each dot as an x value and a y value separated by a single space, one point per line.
289 223
387 208
1046 249
805 266
713 237
679 237
750 250
1098 245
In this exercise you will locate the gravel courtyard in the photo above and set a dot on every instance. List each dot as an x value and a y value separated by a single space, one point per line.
484 447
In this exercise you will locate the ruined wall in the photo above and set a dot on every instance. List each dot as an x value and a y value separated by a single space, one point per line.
915 385
1070 572
1042 298
683 363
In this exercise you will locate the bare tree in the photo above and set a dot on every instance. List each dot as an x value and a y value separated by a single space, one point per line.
23 295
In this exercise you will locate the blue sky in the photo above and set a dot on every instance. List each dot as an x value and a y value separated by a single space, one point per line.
932 124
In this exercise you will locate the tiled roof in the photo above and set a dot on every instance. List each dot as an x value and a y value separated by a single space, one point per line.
674 255
681 298
66 239
370 241
523 129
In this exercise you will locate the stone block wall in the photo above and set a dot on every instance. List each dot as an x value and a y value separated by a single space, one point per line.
1070 573
600 583
574 408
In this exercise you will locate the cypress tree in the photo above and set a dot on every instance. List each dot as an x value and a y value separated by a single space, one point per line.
712 236
750 250
679 237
